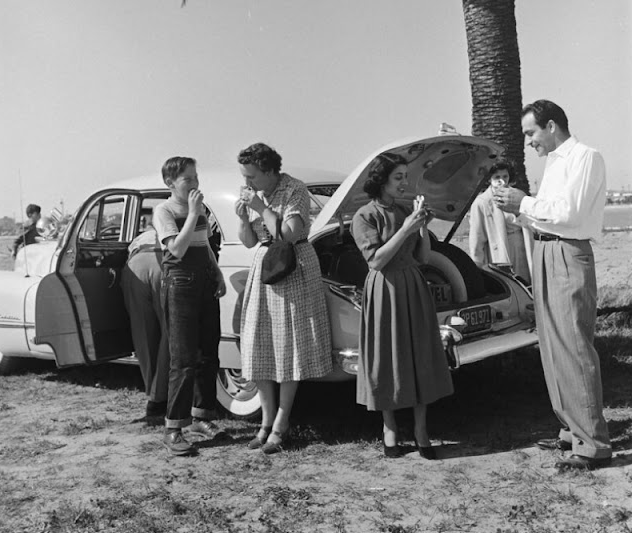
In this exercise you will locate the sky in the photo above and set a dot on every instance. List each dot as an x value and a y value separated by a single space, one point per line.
96 91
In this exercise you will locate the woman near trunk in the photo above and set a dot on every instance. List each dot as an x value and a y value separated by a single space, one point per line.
402 363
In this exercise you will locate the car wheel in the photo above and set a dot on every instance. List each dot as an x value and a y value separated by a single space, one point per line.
8 364
237 396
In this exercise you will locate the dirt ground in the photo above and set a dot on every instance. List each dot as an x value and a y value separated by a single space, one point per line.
76 455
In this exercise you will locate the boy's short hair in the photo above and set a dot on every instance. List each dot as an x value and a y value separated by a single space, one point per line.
31 209
175 166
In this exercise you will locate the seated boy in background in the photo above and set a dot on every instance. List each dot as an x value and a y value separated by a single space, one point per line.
29 233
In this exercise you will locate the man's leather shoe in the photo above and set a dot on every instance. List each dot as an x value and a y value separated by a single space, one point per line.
554 444
177 444
579 462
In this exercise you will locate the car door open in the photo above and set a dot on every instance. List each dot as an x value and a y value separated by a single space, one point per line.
79 308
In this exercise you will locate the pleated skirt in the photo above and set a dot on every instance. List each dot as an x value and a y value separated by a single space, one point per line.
402 362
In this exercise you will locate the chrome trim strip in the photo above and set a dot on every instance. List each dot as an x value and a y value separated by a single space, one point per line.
16 325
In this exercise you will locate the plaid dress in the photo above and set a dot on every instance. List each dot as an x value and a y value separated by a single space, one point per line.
285 332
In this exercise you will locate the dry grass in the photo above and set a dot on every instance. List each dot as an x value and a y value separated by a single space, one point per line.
86 463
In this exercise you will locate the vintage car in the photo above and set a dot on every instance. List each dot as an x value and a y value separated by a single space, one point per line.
64 302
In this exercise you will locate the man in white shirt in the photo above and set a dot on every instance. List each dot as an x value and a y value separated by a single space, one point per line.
565 216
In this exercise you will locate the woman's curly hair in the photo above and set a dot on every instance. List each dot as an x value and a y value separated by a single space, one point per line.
379 171
262 156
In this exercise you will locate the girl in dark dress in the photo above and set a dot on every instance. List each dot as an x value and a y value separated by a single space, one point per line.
402 362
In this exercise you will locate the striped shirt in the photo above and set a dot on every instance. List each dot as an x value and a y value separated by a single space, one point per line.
168 219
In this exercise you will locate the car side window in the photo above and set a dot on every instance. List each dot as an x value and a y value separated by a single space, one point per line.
104 220
319 195
147 212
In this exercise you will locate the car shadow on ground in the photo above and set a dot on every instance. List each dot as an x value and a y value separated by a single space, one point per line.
109 376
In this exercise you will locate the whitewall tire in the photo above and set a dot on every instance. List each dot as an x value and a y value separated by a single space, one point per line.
237 396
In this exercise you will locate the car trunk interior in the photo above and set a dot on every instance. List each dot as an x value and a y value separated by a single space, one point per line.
341 261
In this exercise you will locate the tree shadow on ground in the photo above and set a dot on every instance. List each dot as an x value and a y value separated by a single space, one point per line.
499 404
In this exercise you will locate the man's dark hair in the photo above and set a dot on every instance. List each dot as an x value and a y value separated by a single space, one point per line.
266 159
175 166
31 209
379 171
545 110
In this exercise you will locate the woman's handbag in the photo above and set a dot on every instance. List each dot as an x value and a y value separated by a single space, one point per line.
280 259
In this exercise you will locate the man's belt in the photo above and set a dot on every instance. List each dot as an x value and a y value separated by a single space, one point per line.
550 237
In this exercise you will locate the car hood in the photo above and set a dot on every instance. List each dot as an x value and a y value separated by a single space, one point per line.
447 170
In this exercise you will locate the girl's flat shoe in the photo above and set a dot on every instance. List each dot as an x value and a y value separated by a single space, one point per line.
258 442
275 447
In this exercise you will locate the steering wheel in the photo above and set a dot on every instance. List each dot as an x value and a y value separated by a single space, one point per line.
109 233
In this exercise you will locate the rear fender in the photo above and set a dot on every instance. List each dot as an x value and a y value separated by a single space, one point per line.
13 289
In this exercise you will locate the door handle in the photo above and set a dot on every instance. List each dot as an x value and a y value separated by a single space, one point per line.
112 276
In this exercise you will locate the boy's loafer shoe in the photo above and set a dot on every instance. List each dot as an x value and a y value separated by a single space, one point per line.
206 428
579 462
175 442
554 444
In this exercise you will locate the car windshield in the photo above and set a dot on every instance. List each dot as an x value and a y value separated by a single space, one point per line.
319 195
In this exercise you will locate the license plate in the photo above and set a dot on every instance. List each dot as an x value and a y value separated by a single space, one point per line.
477 318
441 293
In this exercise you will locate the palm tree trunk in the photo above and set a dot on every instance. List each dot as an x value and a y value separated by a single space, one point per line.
492 48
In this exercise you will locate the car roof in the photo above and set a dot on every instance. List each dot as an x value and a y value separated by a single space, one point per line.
221 190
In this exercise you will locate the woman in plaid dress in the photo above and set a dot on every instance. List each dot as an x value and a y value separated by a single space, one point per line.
285 333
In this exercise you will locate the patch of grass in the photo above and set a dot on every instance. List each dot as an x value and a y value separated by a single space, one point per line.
85 424
565 496
612 516
68 517
398 528
615 297
456 479
26 448
150 446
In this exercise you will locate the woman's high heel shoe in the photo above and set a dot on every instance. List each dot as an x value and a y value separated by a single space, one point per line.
391 451
258 442
275 447
427 452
